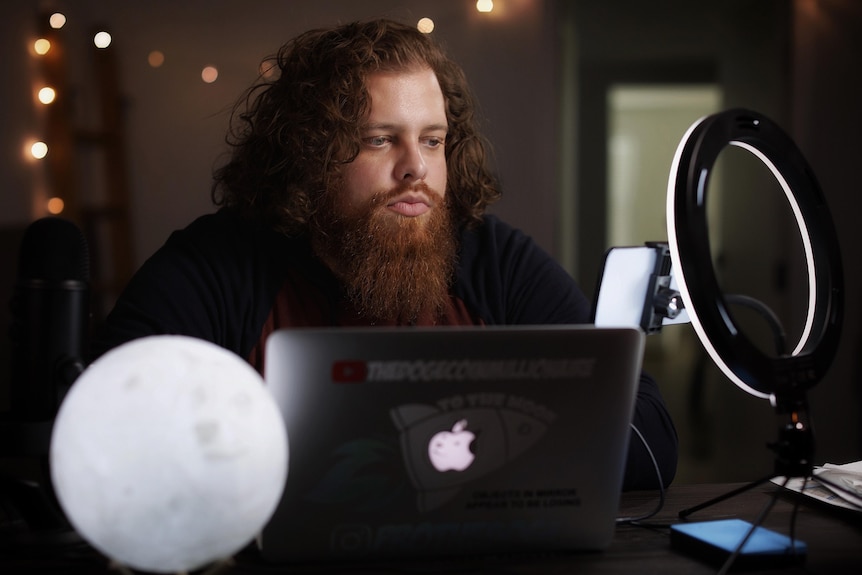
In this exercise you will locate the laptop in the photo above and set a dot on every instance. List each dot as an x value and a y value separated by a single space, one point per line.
428 442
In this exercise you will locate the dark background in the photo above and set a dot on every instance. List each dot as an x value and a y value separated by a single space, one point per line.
540 70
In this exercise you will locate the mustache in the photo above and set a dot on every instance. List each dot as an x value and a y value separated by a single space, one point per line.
383 198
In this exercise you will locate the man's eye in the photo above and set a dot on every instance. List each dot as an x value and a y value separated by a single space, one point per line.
435 142
377 141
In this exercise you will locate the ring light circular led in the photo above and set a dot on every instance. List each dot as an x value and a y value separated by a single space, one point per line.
737 357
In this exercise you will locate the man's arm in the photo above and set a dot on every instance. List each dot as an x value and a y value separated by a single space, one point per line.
510 280
211 280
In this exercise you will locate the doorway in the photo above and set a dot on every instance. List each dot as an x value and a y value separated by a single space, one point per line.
645 124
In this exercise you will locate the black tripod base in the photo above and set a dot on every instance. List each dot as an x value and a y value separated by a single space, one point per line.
730 494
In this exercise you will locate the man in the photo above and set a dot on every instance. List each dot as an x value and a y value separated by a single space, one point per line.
356 195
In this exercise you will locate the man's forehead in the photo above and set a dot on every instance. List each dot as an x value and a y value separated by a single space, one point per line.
404 94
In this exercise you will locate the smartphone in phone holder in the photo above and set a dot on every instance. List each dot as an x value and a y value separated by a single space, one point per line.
636 287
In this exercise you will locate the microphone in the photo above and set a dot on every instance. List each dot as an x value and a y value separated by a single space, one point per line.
50 311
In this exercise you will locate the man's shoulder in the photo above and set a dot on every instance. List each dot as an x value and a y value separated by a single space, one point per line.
491 228
492 234
506 278
224 223
492 223
224 243
226 230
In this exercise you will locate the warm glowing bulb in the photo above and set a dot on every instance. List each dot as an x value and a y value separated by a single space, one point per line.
102 39
39 150
485 5
268 70
156 58
209 74
56 205
57 20
41 46
47 95
425 25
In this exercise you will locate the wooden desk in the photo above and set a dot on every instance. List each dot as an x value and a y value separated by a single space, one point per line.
834 543
834 538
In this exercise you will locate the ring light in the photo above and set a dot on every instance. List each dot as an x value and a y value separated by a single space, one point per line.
786 376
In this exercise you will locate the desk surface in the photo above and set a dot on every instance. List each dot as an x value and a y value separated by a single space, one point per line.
834 541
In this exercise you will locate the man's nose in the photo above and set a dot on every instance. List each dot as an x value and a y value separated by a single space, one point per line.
411 165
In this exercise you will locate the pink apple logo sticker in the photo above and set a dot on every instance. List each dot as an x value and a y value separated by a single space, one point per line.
450 450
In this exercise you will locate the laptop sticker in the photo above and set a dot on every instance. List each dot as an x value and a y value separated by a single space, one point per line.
451 444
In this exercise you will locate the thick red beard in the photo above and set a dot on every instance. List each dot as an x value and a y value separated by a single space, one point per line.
394 268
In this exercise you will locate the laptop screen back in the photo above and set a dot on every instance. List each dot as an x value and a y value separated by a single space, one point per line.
437 441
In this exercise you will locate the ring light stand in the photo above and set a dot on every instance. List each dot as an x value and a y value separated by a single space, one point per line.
784 379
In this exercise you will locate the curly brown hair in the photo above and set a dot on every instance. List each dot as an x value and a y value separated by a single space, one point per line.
291 134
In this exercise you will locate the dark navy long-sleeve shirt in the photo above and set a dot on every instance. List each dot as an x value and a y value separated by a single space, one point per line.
233 282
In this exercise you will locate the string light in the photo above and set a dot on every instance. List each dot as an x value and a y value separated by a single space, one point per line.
47 95
102 39
57 20
41 46
425 25
39 150
156 58
56 205
269 70
485 5
209 74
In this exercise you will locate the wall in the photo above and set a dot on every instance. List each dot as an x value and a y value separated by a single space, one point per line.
797 63
826 123
176 124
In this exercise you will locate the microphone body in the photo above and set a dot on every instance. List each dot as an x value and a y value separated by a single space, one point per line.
50 318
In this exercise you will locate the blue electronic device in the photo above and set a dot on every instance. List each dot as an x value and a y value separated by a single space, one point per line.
715 541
